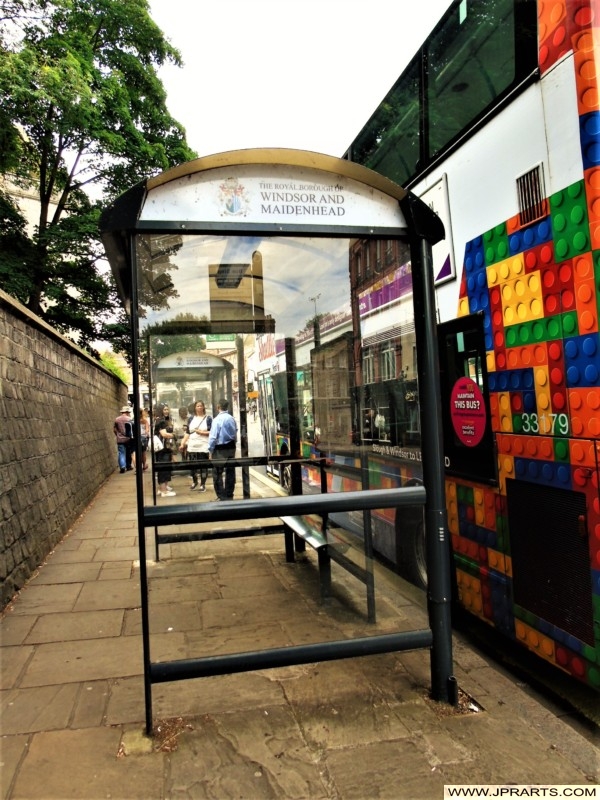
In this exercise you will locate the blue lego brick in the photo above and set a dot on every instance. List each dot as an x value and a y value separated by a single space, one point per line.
559 635
589 133
467 528
501 603
479 300
486 536
547 628
488 330
529 402
474 256
548 473
596 582
514 380
582 361
574 644
539 233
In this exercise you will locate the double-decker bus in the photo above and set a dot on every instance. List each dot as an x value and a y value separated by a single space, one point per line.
495 122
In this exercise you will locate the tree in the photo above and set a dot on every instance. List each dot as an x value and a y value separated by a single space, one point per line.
83 118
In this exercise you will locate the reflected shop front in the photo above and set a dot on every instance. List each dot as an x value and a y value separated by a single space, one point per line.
240 275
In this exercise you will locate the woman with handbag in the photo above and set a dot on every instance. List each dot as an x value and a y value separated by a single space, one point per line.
196 443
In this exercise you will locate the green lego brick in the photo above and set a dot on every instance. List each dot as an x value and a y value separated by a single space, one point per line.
495 245
561 450
570 227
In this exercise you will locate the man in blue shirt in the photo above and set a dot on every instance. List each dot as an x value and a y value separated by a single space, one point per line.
221 446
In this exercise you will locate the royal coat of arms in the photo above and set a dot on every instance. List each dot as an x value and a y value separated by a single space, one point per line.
233 198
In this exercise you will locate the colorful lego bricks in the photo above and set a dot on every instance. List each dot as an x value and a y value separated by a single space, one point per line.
538 288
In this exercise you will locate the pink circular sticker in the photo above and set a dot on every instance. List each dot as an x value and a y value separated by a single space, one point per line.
467 410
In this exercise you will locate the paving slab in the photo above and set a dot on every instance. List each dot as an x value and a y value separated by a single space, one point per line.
72 765
83 660
13 661
398 770
15 627
43 708
50 598
107 594
76 626
67 573
13 750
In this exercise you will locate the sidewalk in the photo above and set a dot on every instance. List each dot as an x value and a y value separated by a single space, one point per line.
72 700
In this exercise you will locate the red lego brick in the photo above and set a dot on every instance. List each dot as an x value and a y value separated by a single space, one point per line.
539 257
580 15
554 47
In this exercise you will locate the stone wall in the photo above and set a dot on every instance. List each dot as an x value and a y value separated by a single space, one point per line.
58 406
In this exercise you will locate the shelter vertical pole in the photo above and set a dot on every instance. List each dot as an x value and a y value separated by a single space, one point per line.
425 230
140 495
293 414
243 402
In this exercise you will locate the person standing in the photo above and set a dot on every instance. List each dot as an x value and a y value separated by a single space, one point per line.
222 442
164 429
195 443
123 430
180 429
144 435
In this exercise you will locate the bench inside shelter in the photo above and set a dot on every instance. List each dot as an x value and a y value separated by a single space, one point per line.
299 530
313 529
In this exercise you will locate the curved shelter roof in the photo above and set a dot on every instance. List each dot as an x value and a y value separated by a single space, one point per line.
192 198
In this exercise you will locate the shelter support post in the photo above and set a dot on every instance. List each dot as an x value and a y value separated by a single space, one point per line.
243 400
426 231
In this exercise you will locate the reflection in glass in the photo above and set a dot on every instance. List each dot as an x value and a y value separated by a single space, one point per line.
220 281
237 317
204 297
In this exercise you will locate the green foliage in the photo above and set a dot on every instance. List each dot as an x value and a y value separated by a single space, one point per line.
83 114
16 251
109 360
161 340
164 341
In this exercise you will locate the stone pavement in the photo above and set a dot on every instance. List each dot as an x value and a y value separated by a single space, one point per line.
72 700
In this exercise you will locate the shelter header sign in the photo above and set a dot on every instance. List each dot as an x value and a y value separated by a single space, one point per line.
270 195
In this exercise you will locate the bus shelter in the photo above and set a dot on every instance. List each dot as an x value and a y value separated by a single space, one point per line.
243 264
188 375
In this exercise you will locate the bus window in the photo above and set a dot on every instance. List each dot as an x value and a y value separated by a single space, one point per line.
477 55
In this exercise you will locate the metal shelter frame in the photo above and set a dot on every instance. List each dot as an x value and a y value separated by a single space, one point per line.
120 224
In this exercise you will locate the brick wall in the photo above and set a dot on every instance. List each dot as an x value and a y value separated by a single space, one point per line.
57 444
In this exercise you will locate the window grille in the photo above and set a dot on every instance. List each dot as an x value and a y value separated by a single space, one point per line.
532 201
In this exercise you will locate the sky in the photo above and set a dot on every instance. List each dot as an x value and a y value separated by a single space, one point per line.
282 73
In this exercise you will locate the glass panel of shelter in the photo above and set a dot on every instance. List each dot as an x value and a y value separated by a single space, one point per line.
272 321
200 295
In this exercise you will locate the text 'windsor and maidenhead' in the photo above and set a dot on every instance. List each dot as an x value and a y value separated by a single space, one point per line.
302 200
